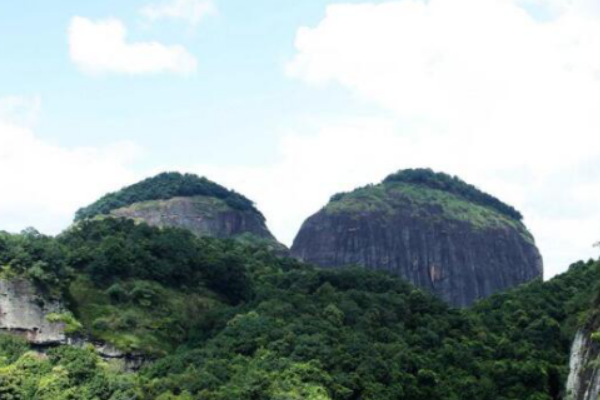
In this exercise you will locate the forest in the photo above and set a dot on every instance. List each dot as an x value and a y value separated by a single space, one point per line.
259 326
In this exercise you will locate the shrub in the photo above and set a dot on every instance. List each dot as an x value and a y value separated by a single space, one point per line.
72 325
12 347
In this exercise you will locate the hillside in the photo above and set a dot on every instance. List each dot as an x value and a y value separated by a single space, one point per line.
218 319
165 186
186 201
435 231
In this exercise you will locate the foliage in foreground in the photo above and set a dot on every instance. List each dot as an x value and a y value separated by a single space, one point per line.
64 373
289 331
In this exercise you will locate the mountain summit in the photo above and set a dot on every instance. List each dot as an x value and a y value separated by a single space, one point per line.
432 229
186 201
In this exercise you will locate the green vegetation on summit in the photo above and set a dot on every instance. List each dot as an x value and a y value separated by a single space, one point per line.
163 187
450 184
418 200
455 185
434 230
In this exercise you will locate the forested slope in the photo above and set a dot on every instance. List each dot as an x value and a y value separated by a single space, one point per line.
256 326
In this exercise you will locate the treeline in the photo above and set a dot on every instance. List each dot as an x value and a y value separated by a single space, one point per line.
163 187
119 249
37 257
455 185
353 334
263 327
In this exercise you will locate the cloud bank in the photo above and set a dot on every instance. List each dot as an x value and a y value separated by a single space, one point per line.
99 47
43 184
504 93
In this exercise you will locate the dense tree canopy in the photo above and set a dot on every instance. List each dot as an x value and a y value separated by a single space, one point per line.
455 185
370 336
224 321
38 257
163 187
119 249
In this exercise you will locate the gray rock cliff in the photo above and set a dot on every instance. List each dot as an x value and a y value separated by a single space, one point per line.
584 374
172 199
453 247
202 215
24 312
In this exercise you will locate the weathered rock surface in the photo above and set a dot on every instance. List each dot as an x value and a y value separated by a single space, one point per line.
172 199
23 311
584 375
456 249
202 215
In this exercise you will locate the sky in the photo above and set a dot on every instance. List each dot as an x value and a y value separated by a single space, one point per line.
289 102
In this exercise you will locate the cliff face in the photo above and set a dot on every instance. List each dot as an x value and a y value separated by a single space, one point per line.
455 248
205 216
187 201
202 215
27 313
584 375
24 312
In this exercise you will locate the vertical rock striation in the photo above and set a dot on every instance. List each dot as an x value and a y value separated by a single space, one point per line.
584 375
438 240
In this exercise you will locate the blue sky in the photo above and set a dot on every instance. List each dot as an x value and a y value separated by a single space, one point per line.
238 100
290 102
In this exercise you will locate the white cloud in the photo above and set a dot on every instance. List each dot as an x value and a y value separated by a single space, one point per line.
315 163
481 88
192 11
101 47
43 184
311 168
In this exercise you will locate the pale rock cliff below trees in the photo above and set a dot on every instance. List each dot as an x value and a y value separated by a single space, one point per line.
25 312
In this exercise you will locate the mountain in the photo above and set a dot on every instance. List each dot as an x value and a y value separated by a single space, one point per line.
186 201
434 230
220 319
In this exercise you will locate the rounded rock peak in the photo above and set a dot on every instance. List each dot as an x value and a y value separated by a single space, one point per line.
165 186
187 201
434 230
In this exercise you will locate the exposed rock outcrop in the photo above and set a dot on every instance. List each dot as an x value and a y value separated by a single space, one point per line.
204 216
24 311
187 201
584 375
438 240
